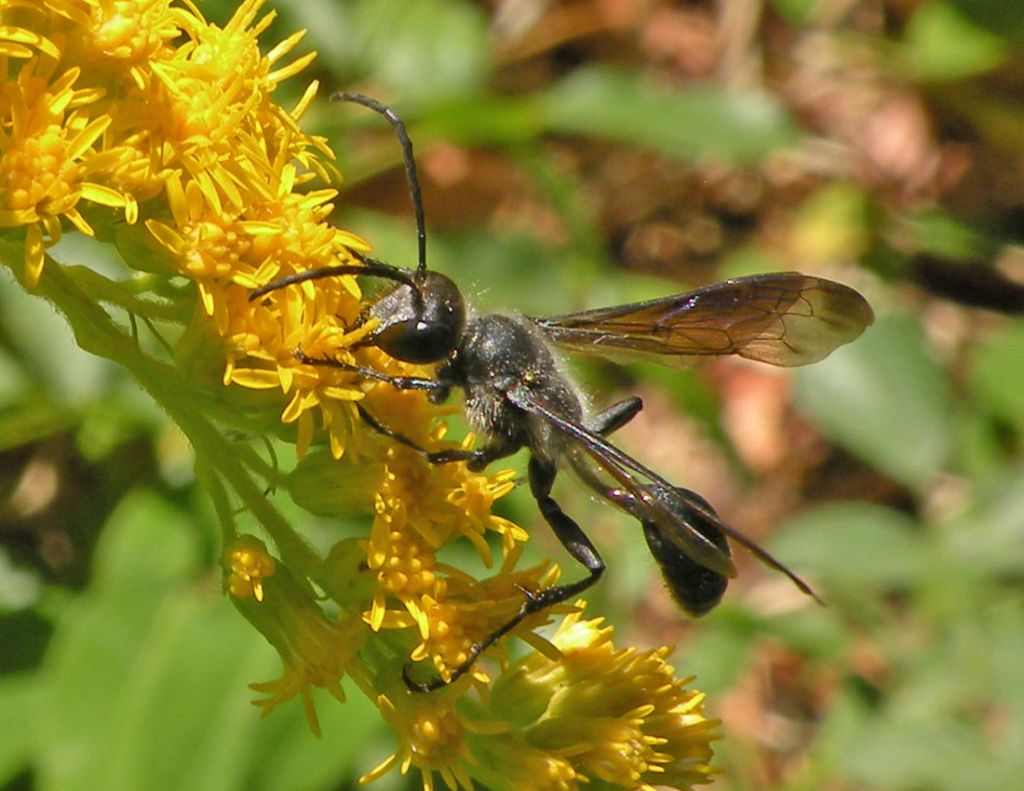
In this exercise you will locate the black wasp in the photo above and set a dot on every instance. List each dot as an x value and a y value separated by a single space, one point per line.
517 395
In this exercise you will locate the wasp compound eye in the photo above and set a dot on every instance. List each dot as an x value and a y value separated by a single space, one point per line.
421 323
416 341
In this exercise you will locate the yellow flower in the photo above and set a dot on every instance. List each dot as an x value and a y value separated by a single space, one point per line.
315 651
578 713
420 507
248 564
431 737
619 716
115 41
145 107
46 137
510 763
467 610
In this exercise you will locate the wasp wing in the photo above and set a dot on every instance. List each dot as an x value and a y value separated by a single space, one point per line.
637 490
785 319
648 497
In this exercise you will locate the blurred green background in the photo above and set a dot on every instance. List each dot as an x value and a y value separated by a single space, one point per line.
576 154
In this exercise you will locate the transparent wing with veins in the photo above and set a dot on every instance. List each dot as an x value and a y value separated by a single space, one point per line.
648 497
640 498
784 319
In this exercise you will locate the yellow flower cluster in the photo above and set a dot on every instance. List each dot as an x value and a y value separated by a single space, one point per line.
588 714
139 122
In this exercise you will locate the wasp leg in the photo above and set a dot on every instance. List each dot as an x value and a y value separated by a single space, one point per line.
617 415
383 430
604 423
399 382
475 459
572 537
568 532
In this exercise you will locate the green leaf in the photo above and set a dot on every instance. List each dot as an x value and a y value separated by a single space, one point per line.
328 24
853 545
997 16
285 756
947 236
322 485
738 126
997 377
796 12
425 50
902 752
986 539
718 652
147 679
942 43
51 356
18 700
885 399
32 420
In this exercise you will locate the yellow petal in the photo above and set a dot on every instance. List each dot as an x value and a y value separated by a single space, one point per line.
207 298
12 49
285 46
286 375
206 184
33 254
11 218
307 99
260 227
255 378
229 188
131 210
167 236
176 199
317 197
84 139
105 196
79 222
344 394
379 770
301 401
304 436
291 69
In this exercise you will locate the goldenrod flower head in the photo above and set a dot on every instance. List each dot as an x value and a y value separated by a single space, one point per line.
46 136
581 713
114 41
248 564
431 737
140 122
512 763
315 650
618 714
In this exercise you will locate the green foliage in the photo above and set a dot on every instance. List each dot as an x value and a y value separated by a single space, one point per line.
885 399
145 679
942 44
697 122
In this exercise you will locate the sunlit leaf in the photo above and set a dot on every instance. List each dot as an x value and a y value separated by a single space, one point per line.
885 399
853 544
739 126
941 43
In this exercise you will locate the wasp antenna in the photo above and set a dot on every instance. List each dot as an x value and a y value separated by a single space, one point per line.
368 267
410 167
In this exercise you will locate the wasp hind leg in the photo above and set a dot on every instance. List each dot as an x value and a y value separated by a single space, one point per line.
617 415
575 541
